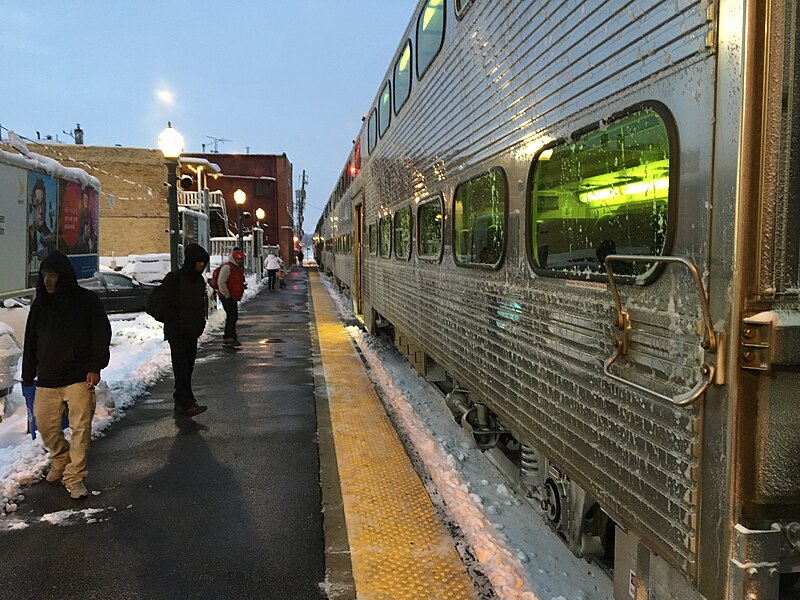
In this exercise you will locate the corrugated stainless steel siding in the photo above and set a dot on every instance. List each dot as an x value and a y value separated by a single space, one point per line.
532 348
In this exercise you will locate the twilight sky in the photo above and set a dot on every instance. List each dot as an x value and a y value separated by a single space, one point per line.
293 77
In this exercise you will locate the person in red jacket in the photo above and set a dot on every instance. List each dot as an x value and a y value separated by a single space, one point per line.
230 282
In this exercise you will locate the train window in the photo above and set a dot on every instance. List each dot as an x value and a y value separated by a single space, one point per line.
429 229
372 131
385 237
605 192
430 34
479 210
461 6
402 77
385 109
402 233
373 238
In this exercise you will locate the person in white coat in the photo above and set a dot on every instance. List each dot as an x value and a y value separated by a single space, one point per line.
272 264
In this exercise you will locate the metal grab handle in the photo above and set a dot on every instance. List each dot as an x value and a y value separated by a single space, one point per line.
623 322
685 399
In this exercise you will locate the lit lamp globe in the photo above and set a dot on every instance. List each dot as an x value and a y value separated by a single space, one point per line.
239 197
170 142
260 214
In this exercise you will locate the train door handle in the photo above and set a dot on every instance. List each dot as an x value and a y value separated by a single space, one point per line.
709 373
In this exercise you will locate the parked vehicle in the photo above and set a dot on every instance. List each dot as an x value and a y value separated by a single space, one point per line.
119 293
147 268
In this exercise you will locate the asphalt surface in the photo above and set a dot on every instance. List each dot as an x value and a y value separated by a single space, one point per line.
225 505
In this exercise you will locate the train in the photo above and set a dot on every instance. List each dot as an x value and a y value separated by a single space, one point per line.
580 220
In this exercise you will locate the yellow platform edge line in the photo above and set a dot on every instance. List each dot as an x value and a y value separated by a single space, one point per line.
399 548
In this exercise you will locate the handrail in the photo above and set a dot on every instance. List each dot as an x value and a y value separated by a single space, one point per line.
709 342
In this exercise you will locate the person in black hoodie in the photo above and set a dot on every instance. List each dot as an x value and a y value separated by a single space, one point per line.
67 340
185 303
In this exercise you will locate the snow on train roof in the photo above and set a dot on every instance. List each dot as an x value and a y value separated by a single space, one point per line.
36 162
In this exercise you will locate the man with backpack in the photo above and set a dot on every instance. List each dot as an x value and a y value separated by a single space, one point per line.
230 285
181 304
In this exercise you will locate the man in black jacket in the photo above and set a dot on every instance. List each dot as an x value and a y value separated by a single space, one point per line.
185 304
66 345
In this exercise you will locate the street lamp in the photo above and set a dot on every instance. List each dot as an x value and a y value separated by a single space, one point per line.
260 214
240 197
171 144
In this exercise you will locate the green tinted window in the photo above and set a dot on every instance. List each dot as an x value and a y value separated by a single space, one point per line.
385 109
385 235
402 78
478 219
429 222
372 131
430 33
402 233
373 239
603 193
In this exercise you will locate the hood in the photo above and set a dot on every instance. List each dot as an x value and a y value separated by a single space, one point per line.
232 257
193 253
60 264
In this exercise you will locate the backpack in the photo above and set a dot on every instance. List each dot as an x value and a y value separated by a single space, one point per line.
213 282
156 304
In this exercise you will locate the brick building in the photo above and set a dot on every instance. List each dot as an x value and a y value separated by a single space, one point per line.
137 222
267 181
135 177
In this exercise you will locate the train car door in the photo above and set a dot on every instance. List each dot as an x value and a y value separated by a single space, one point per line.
358 236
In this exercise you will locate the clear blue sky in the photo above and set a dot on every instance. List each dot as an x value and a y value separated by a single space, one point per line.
292 77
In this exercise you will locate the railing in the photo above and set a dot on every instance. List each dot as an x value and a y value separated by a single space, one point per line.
194 200
223 246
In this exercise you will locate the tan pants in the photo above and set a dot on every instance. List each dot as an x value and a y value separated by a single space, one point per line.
48 408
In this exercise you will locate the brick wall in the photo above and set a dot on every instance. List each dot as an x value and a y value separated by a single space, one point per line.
137 224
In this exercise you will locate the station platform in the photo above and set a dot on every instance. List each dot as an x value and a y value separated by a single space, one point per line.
293 485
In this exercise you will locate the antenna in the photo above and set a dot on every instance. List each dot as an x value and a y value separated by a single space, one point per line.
216 141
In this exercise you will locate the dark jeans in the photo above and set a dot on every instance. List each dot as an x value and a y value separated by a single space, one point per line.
183 349
271 274
231 316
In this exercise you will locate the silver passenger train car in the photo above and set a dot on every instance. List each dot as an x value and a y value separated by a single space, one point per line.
582 218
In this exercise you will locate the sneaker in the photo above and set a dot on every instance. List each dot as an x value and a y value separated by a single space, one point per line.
77 490
54 475
194 410
236 342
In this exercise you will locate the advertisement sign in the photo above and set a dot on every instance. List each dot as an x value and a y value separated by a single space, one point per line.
42 221
13 243
78 226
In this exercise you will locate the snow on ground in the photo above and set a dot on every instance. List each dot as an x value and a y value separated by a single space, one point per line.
518 553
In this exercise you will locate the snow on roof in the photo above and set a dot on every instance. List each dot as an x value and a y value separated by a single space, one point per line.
191 160
36 162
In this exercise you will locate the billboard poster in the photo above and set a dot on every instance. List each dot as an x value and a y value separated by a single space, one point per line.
13 213
42 221
78 226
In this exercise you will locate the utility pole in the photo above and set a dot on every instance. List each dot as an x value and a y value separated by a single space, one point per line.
301 204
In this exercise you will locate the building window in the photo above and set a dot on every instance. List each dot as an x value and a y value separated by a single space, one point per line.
402 78
402 233
479 211
373 238
429 229
372 131
263 187
430 34
385 235
604 192
385 109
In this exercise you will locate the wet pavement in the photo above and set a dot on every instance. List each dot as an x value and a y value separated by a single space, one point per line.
225 505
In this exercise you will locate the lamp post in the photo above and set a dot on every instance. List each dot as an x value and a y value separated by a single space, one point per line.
240 197
260 214
171 144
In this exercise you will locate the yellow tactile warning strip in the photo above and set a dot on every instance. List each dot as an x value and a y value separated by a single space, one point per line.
398 546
